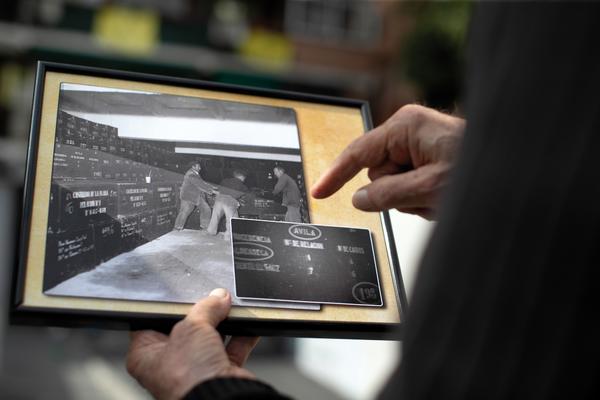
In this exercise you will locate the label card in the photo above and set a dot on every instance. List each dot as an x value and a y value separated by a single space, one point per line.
283 261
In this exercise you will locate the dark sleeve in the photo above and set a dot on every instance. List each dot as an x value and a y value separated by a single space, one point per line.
233 187
186 177
200 183
234 389
503 306
279 185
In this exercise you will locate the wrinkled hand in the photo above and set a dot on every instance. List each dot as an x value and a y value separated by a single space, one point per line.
408 158
170 366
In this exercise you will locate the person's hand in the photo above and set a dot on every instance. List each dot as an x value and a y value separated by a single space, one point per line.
170 366
408 158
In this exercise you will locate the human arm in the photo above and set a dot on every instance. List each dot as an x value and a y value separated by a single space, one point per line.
202 185
279 186
408 159
193 360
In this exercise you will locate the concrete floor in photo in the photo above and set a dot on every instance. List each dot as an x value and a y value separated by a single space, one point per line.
181 266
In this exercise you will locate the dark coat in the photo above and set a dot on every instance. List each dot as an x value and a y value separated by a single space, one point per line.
233 187
291 193
193 187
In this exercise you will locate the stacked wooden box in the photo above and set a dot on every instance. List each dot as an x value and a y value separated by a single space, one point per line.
108 196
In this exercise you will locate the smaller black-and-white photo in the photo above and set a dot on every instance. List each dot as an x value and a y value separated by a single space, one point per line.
144 185
279 261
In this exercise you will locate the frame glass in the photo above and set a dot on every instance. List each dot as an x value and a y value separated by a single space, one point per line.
131 184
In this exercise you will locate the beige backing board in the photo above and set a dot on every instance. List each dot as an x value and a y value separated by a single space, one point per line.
325 130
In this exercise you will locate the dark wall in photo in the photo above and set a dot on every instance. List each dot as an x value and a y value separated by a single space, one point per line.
108 196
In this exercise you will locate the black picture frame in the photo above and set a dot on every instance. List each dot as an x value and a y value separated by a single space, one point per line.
39 314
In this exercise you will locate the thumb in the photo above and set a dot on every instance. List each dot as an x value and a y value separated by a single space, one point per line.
417 188
212 309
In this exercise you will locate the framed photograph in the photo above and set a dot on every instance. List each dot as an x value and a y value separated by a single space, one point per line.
143 193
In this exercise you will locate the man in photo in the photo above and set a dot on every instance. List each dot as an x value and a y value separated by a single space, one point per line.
291 194
227 201
193 194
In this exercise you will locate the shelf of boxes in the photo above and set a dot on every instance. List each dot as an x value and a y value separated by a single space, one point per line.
101 203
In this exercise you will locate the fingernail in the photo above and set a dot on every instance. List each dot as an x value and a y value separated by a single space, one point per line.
313 188
219 292
361 200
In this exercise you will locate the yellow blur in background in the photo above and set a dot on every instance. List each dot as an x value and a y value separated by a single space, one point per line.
127 30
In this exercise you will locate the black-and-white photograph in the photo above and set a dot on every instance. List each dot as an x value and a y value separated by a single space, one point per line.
144 186
280 261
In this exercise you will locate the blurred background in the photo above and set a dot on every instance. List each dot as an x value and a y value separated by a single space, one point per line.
387 52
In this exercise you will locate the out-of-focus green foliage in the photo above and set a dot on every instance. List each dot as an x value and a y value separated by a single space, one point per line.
433 53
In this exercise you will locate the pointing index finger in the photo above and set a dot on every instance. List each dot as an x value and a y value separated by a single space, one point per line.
368 150
342 170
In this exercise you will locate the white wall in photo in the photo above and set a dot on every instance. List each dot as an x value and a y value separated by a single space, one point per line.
221 128
172 129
